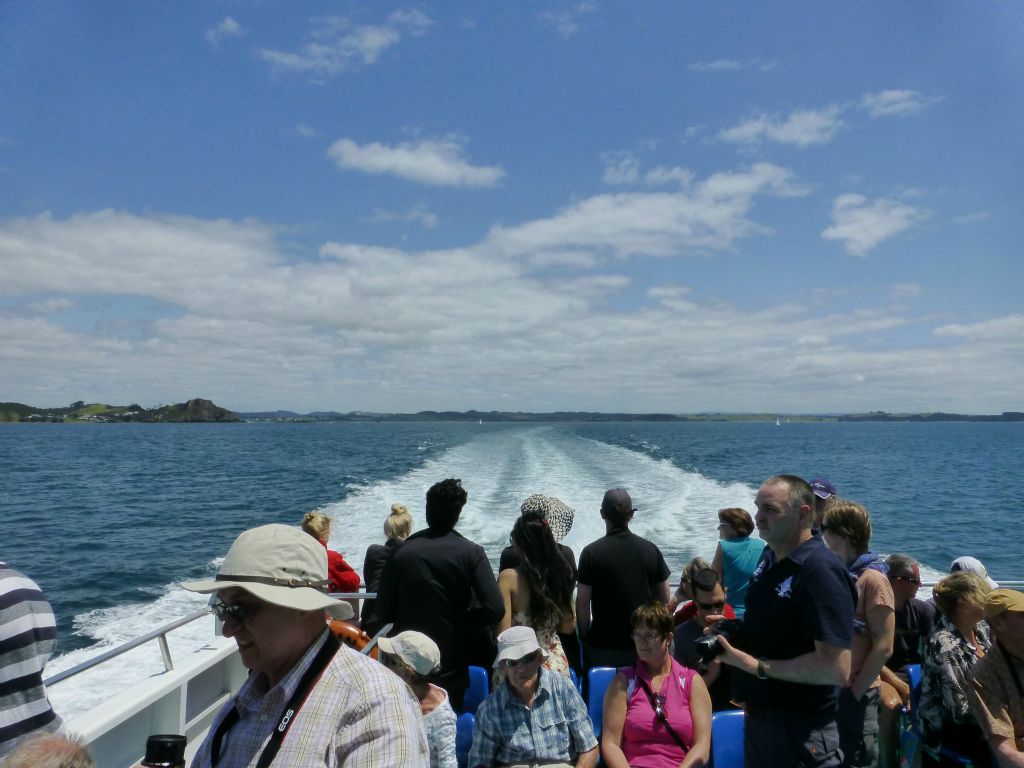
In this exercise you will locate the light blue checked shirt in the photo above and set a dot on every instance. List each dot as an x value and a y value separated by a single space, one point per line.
358 714
554 729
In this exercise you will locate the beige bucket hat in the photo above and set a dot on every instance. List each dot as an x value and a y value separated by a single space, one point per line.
415 649
278 564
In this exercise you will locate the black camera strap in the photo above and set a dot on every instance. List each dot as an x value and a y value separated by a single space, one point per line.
291 709
660 711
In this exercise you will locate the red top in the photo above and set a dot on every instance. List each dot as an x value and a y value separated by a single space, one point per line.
342 576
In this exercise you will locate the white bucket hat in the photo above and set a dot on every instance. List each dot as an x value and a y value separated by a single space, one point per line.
415 649
517 642
278 564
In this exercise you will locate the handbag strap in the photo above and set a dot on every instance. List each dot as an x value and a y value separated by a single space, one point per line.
660 713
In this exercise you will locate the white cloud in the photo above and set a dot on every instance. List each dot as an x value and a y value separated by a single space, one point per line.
305 130
623 168
802 128
252 326
732 65
336 45
418 213
972 218
711 215
566 21
897 103
227 27
437 162
1009 328
862 225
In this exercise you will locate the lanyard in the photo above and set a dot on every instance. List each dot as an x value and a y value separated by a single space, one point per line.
291 709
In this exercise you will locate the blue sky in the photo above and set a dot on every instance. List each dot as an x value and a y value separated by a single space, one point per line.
663 206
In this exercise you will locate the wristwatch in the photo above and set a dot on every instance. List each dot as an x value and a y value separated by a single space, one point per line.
762 670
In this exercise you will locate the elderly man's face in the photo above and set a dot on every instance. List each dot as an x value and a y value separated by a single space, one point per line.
272 639
524 674
1009 629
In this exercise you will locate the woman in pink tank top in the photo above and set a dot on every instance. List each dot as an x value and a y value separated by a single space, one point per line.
657 714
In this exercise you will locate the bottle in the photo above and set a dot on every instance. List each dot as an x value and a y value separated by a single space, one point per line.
165 751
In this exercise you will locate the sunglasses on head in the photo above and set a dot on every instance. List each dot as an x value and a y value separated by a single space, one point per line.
239 612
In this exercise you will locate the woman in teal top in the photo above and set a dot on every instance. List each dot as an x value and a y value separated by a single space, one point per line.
737 555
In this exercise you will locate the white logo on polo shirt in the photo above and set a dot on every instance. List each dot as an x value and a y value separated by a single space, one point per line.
785 589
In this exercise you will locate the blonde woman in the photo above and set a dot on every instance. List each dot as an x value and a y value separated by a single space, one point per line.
961 638
397 528
342 576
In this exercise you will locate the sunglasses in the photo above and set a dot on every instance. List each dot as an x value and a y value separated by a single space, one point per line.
720 605
239 612
910 580
523 662
659 705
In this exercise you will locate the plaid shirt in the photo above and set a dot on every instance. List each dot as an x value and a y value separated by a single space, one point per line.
555 728
358 714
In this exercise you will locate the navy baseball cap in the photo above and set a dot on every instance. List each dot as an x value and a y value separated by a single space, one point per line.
822 487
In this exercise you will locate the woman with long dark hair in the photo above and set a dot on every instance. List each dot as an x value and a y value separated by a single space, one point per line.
538 591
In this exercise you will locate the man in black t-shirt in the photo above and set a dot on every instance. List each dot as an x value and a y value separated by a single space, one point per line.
617 573
798 632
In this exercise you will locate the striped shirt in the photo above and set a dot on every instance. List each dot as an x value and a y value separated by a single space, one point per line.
358 714
28 637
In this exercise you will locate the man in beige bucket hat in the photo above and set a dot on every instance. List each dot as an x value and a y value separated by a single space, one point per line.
309 698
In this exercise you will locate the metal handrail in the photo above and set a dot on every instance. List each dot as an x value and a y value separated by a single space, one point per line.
160 635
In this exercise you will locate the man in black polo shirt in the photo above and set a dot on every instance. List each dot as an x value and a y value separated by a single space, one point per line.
798 631
617 573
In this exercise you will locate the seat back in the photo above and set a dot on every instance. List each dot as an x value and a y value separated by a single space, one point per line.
914 679
598 680
464 737
479 687
727 739
576 681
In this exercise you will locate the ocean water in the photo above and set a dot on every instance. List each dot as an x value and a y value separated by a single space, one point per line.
108 519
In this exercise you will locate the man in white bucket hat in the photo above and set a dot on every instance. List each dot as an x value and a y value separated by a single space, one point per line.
309 698
536 717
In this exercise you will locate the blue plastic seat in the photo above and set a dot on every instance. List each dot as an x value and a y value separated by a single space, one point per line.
727 739
464 737
479 687
576 681
910 740
598 680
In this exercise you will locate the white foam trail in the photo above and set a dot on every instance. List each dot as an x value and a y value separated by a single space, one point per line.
501 467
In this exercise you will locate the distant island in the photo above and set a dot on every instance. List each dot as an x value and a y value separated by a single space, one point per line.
198 410
195 410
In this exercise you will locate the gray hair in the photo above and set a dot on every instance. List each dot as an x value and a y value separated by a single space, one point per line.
50 751
901 564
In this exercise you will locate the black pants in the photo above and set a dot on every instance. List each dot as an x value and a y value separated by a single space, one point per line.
858 728
784 740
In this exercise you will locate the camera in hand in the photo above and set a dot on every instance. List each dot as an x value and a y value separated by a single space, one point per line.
708 646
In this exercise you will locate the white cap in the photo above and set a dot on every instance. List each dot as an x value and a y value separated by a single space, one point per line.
973 565
517 642
415 649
